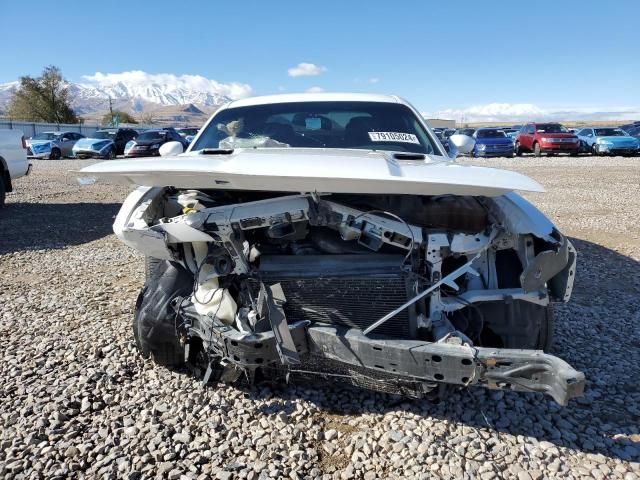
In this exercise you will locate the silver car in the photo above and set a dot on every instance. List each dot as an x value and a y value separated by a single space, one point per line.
52 145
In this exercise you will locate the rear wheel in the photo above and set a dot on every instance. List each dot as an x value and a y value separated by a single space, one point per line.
516 149
112 154
56 154
536 150
594 150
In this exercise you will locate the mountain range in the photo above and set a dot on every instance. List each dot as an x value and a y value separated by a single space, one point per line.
91 101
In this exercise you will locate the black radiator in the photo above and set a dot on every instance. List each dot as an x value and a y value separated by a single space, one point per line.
350 290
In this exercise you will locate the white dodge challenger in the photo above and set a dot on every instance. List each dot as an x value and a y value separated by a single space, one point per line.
332 236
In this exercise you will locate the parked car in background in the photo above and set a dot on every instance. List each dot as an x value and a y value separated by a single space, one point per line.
550 138
13 160
512 133
492 142
119 136
630 126
187 131
608 140
447 132
634 132
52 145
466 131
148 143
102 147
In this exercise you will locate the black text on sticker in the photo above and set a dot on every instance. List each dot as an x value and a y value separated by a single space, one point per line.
393 137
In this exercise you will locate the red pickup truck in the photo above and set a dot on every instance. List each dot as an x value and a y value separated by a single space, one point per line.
549 138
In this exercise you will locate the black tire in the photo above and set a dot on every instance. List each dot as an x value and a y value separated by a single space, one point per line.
536 150
168 354
594 151
516 150
3 190
154 328
151 268
112 154
547 327
56 154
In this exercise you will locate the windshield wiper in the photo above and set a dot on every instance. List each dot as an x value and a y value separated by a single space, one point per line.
216 151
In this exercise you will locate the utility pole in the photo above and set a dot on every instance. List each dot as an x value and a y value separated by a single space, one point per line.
110 107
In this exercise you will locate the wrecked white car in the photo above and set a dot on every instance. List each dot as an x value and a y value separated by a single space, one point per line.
331 236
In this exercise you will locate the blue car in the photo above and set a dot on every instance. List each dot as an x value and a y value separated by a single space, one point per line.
608 141
492 142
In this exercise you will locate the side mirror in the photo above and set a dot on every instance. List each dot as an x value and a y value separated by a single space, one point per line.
461 144
170 149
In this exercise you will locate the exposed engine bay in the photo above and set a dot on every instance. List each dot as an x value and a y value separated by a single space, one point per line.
398 293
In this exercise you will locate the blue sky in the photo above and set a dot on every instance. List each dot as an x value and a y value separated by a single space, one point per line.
458 57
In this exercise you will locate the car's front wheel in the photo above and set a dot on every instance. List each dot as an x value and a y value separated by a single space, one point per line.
112 154
537 151
154 329
3 190
516 149
56 154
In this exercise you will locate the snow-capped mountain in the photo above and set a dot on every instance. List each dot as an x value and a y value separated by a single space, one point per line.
131 97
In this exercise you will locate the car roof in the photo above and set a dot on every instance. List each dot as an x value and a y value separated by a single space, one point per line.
315 97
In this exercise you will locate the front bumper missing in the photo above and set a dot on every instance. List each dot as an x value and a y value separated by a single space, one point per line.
412 361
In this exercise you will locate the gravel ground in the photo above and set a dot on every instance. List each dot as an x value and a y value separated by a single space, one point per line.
78 402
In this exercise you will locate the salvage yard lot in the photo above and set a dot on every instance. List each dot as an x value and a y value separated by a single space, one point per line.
78 401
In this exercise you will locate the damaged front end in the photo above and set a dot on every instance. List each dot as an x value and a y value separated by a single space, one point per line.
396 293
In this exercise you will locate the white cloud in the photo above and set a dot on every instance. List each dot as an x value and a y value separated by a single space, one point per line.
306 70
138 78
315 90
374 80
519 112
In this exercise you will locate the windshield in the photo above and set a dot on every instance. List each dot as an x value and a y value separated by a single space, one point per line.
490 134
152 135
466 131
45 136
609 132
551 128
104 134
359 125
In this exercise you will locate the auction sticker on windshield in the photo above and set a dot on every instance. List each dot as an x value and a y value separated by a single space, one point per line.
393 137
